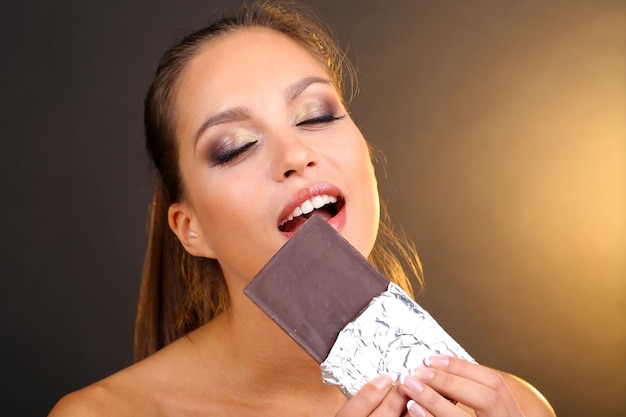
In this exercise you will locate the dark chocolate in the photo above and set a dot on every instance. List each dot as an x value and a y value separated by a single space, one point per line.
315 285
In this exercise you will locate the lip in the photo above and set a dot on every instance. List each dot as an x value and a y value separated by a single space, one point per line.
337 222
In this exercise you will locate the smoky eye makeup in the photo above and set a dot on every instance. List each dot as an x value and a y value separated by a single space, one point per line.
230 148
317 113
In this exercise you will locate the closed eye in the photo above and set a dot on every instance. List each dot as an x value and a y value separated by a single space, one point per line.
229 155
326 118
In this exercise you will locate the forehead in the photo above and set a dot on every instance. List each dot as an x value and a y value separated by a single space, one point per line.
248 59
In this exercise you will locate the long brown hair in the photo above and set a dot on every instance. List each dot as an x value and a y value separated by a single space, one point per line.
180 292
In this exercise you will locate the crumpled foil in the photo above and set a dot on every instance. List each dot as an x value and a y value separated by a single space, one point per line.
393 336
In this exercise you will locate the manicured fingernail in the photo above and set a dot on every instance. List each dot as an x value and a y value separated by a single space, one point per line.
415 409
424 374
413 384
381 381
403 377
437 361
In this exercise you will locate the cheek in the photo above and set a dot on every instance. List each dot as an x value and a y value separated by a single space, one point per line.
365 197
363 164
225 203
232 212
374 204
357 162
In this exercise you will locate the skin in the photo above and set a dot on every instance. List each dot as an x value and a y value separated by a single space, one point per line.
235 208
241 363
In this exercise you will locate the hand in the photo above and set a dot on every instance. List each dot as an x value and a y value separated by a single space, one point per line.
481 389
378 398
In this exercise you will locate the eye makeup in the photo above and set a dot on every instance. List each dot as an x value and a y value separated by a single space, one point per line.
228 149
316 112
327 118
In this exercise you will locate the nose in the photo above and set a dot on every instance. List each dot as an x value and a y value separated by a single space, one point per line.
292 157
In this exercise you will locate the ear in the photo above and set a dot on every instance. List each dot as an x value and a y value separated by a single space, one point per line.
183 223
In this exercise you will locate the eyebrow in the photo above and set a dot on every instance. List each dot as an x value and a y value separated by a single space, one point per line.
235 114
238 114
296 89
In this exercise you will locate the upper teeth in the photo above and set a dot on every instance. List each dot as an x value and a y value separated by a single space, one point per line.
310 205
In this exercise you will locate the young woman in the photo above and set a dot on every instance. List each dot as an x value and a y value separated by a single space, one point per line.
248 129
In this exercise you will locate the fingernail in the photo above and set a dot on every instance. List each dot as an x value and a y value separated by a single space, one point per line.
403 377
424 374
415 409
381 381
413 384
437 361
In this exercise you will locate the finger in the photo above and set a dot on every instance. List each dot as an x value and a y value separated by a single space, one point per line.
469 370
416 410
368 398
394 404
427 401
476 386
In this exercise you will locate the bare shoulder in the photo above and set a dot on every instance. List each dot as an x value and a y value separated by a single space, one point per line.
95 400
531 402
151 387
125 393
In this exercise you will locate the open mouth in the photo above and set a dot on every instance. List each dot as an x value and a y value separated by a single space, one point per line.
323 205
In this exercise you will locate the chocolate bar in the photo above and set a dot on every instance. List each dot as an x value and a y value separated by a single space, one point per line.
315 285
343 312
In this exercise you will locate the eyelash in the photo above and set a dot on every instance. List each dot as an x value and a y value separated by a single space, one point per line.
327 118
225 157
229 155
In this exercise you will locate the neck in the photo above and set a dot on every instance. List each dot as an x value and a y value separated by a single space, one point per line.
267 360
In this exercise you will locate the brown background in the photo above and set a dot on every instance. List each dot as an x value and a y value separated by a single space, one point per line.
503 125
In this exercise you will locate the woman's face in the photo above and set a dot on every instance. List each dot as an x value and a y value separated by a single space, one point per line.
263 136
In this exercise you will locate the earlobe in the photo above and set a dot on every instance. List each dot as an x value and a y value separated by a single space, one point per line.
182 222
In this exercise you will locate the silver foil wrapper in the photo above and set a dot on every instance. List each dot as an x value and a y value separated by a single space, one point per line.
393 336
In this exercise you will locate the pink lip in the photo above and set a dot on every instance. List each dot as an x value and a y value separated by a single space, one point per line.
337 222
